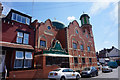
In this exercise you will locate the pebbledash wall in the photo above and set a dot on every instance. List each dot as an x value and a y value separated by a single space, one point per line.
50 45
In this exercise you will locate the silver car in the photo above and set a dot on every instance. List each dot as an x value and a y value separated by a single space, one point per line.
106 69
63 74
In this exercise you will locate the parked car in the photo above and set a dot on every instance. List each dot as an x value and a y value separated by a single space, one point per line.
113 64
106 69
63 74
89 72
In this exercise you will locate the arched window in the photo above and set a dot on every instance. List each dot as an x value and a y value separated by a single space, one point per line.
88 48
81 47
74 45
42 43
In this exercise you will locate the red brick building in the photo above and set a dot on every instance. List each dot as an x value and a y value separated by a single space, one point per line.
17 42
38 48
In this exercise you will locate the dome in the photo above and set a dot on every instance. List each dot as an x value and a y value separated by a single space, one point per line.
83 15
58 24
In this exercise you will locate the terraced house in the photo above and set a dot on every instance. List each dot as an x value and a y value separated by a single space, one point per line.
33 49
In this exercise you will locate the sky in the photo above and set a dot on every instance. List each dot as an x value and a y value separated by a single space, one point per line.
103 16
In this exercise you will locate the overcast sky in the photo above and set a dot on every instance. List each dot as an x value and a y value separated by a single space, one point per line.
103 16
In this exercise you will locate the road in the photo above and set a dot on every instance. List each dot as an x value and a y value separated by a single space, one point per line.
113 74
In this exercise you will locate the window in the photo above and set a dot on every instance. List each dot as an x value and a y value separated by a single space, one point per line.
14 16
86 35
21 19
19 37
43 43
22 38
75 60
76 31
88 48
65 70
74 45
23 60
90 60
28 60
26 38
83 60
49 27
27 21
70 70
19 59
81 47
57 61
83 31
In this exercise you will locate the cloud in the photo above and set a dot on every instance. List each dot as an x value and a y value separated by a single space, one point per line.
106 42
98 7
71 18
114 13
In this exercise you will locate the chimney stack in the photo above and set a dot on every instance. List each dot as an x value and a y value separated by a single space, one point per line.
1 9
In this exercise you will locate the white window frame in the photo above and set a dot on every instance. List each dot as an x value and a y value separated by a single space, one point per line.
26 18
18 36
25 38
23 59
18 59
28 59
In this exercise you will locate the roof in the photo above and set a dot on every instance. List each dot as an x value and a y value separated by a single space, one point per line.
13 45
58 24
12 10
83 15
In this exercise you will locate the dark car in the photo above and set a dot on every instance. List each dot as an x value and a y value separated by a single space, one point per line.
89 72
113 64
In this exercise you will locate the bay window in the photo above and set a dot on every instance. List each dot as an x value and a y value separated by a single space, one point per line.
23 59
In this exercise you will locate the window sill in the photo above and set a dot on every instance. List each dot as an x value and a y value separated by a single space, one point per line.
16 68
22 43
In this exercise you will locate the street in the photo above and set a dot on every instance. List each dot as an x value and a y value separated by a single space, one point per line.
104 76
113 74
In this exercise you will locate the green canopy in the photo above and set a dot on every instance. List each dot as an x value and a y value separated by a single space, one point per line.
57 49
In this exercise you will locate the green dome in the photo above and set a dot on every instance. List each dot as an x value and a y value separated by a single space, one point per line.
58 25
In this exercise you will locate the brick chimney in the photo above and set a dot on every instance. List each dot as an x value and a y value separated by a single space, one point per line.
1 9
